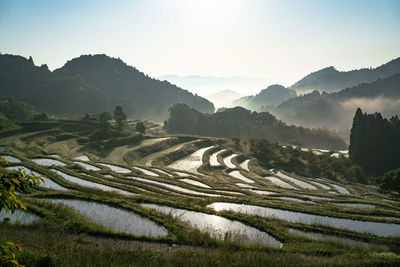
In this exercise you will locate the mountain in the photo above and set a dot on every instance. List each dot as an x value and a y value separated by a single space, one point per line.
223 98
334 110
267 98
332 80
92 84
242 123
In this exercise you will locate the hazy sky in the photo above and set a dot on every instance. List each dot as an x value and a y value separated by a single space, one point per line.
284 39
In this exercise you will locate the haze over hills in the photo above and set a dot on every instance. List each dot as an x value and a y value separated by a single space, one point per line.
208 85
223 98
267 98
242 123
331 80
92 84
336 110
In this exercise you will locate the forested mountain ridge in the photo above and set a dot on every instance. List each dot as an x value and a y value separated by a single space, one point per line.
334 110
270 97
241 123
331 80
91 84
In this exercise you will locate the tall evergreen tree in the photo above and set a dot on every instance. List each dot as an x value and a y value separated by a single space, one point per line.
120 117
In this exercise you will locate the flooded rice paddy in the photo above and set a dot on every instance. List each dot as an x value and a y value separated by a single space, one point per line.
214 158
87 167
115 168
146 172
377 228
219 227
49 162
296 181
46 183
278 182
85 183
238 175
228 161
11 159
115 219
174 187
19 216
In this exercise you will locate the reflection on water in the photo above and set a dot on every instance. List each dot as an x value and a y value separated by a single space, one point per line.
279 182
116 169
228 161
296 181
239 176
245 165
19 216
192 162
214 158
381 229
115 219
89 184
219 227
49 162
87 167
175 187
11 159
46 183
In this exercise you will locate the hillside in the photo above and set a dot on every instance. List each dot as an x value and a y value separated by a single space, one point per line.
335 110
179 199
266 98
241 123
91 84
331 80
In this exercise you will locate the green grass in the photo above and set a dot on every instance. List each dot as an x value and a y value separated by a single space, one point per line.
65 238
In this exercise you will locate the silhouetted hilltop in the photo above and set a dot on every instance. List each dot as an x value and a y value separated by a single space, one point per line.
92 84
269 97
331 80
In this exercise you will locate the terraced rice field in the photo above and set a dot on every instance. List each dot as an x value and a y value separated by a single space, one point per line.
193 192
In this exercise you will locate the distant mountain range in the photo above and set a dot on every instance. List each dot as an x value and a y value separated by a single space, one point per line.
336 110
267 98
92 84
331 80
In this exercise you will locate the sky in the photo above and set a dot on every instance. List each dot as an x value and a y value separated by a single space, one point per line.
279 40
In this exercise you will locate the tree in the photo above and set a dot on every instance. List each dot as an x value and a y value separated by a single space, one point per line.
120 117
140 127
103 122
390 181
11 182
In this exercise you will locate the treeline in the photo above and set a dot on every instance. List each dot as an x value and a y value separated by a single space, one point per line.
272 155
242 123
375 142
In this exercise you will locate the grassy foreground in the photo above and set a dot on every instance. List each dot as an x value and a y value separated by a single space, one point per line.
44 246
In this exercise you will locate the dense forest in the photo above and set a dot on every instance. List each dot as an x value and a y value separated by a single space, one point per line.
91 84
375 142
331 80
241 123
267 98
